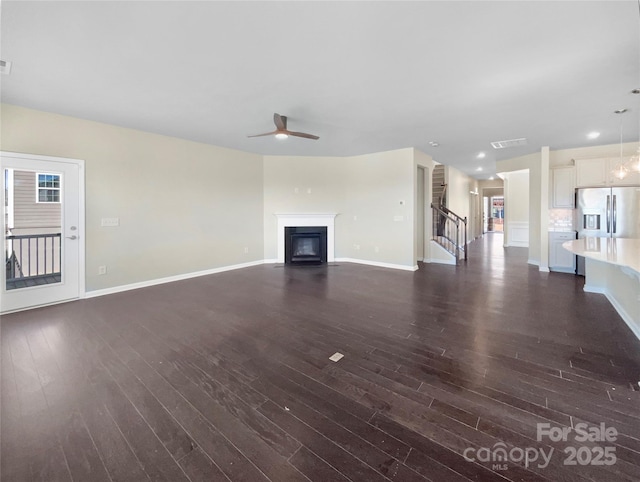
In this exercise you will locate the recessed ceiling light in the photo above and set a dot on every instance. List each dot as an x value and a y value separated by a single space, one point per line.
479 169
482 155
593 135
433 144
281 135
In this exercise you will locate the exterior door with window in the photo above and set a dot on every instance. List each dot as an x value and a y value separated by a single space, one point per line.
43 230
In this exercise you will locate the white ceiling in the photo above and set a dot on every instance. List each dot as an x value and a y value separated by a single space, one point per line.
364 76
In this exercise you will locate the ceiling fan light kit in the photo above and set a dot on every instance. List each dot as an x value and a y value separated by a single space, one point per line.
282 132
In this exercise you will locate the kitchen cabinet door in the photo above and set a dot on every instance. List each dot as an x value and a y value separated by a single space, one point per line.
563 189
559 258
592 172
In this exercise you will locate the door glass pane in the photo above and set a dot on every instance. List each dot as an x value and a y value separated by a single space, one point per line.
33 240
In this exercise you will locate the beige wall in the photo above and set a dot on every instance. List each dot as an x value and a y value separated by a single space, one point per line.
462 202
303 185
183 206
366 191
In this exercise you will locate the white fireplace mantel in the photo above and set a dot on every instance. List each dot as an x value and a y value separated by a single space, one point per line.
314 219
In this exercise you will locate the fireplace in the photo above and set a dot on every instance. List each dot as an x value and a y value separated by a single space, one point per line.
314 220
305 245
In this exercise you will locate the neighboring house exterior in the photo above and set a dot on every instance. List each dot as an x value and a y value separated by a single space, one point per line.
33 208
36 206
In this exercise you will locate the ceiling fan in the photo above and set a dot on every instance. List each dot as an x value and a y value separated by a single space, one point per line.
281 131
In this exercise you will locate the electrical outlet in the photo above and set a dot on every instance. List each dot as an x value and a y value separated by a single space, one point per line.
376 249
102 270
246 250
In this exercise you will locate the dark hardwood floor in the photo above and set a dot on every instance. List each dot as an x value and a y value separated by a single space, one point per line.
228 377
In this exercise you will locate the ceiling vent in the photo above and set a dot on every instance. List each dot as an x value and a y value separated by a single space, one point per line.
510 143
5 67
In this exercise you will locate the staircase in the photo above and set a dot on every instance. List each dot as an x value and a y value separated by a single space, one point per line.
438 186
449 229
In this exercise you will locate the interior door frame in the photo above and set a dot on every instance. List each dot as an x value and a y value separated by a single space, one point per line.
81 217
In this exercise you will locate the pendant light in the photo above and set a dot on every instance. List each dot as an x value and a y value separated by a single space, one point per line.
620 171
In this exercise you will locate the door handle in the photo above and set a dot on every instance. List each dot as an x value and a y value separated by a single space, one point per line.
608 213
614 210
72 237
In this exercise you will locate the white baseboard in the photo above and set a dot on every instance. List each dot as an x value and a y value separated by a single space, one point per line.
168 279
626 317
378 264
593 289
441 261
180 277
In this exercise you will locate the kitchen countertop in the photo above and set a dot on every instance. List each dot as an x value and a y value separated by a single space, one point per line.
623 252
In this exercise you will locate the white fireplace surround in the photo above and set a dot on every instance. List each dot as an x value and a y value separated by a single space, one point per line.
291 220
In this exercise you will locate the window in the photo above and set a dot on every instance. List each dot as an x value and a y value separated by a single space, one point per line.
48 190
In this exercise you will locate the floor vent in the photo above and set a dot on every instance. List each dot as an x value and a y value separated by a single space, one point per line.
509 143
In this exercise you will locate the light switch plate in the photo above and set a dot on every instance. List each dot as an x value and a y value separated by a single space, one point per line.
109 222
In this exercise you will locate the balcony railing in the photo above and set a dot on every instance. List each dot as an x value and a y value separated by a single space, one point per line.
33 259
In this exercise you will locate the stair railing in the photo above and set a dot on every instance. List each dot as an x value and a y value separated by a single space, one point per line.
450 231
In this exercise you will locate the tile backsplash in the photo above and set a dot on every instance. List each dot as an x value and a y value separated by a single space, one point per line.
561 218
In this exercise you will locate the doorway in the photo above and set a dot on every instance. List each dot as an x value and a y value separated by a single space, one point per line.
43 225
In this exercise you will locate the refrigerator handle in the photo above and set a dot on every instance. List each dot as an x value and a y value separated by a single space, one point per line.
608 213
614 211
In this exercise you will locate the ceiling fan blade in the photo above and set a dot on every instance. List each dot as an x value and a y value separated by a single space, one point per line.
303 134
265 134
280 121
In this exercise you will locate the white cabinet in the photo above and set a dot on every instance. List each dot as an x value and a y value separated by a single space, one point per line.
597 172
563 187
559 258
591 172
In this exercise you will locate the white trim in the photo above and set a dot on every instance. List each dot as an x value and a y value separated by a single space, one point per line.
169 279
442 261
379 264
593 289
307 219
10 200
626 317
80 163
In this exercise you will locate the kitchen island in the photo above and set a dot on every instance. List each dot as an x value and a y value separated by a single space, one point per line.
612 267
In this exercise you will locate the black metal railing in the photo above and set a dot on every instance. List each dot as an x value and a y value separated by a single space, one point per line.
450 231
33 256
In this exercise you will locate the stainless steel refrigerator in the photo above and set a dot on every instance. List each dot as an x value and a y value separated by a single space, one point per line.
607 212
